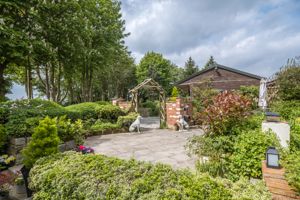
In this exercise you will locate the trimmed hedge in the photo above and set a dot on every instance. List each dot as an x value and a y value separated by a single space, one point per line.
104 126
127 120
84 110
72 175
109 113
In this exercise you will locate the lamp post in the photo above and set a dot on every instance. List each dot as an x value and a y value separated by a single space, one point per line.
272 157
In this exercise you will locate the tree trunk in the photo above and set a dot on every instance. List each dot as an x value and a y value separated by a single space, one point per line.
28 82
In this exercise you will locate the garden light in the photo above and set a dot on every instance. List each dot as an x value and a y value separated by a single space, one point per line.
272 157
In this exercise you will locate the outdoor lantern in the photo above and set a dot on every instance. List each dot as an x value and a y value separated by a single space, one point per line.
272 157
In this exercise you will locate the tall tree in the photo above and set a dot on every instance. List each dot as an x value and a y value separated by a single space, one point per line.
154 65
211 62
190 67
13 39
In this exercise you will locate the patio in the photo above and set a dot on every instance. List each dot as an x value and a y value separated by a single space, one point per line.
156 145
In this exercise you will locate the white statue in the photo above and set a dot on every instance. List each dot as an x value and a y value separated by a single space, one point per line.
136 125
182 123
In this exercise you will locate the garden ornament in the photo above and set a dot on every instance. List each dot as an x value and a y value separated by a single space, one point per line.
136 125
182 124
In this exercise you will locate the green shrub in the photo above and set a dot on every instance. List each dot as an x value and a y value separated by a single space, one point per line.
3 139
109 113
104 126
44 142
287 109
295 136
288 82
127 120
292 169
75 176
21 116
248 152
84 110
67 130
153 107
251 92
245 190
175 92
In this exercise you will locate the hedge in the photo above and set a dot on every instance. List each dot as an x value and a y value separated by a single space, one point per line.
72 175
292 169
109 113
84 110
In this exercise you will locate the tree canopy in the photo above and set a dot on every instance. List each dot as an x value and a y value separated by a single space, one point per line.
154 65
69 51
190 68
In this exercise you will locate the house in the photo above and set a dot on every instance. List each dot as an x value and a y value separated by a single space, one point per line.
220 78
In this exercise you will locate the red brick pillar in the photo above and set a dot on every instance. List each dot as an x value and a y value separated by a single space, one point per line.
174 109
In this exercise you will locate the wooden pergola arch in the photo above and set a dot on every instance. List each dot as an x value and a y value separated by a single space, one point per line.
150 83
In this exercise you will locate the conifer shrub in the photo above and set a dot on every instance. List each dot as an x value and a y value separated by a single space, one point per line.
44 142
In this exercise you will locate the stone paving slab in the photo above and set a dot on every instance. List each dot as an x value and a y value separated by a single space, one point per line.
157 146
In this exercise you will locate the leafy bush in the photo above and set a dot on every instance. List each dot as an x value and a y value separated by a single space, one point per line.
67 130
74 176
84 110
3 138
127 120
251 92
44 142
175 92
287 109
295 136
109 113
245 190
227 110
104 126
248 152
292 169
288 81
153 107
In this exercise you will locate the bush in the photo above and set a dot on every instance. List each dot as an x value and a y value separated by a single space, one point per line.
104 126
75 176
295 136
44 142
109 113
252 93
153 107
21 116
227 110
67 130
175 92
292 169
288 82
248 152
84 110
127 120
287 109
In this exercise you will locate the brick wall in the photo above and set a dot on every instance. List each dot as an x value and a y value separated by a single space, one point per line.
180 107
125 105
277 184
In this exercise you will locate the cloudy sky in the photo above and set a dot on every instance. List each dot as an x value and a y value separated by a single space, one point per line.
251 35
257 36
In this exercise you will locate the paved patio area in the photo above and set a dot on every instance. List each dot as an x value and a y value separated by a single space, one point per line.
157 145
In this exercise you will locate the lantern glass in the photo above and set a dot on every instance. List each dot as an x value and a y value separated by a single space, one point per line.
273 160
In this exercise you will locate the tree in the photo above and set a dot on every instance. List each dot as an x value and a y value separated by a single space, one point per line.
190 67
211 62
154 65
288 81
44 142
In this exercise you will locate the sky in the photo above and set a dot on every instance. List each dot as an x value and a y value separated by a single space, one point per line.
250 35
257 36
